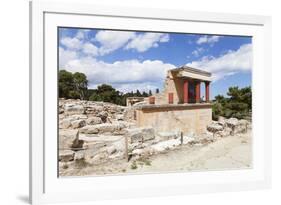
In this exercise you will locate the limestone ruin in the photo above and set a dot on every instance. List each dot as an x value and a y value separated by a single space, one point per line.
179 107
94 133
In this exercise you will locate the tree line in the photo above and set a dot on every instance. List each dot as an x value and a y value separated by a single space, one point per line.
75 86
238 102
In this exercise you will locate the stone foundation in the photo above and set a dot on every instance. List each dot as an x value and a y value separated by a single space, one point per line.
186 118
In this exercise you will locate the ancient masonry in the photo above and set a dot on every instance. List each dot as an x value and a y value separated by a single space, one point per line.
97 133
180 107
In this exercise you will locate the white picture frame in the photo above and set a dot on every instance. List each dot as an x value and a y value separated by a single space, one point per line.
45 186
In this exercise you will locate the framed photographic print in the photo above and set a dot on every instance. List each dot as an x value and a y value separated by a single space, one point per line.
128 102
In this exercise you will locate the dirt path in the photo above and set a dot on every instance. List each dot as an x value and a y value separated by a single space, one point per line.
232 152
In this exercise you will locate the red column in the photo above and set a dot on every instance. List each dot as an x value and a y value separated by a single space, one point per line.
185 91
197 89
207 91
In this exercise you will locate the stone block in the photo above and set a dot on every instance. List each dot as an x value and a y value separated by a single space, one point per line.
66 155
78 123
140 134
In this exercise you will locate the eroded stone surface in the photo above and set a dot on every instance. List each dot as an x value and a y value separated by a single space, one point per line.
96 132
66 156
140 134
70 109
214 127
94 120
102 128
78 123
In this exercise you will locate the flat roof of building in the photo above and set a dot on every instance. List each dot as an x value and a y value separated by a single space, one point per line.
192 70
189 72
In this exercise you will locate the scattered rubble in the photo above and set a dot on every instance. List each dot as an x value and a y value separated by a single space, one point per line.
215 127
66 155
70 109
93 121
224 127
96 132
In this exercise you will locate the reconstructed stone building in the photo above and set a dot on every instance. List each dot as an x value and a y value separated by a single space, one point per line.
180 106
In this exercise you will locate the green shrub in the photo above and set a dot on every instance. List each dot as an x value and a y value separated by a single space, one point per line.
238 104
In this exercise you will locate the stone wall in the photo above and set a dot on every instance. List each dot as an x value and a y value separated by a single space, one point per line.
184 118
98 133
171 85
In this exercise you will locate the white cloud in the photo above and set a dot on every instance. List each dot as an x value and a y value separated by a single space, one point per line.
198 51
208 39
124 75
91 49
78 54
112 40
65 56
227 64
82 33
77 44
143 42
71 43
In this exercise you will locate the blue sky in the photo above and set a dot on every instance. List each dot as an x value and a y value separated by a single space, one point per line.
131 60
